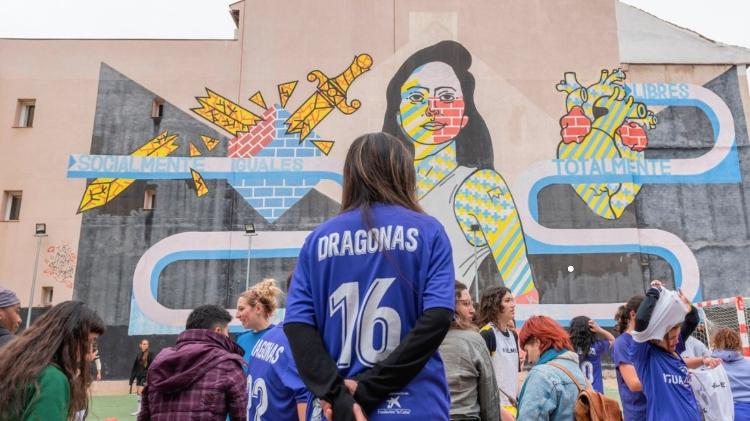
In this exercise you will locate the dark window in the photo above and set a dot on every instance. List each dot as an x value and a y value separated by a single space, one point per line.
12 206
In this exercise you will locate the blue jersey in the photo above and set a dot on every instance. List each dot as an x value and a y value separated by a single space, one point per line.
741 411
633 403
273 384
664 377
247 340
591 364
364 287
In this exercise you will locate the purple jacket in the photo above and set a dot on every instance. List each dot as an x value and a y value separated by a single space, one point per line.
200 378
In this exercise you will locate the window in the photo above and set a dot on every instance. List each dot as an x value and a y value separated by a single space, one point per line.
12 205
157 108
149 199
47 293
25 113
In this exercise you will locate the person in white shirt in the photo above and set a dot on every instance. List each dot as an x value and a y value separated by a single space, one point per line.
497 309
695 348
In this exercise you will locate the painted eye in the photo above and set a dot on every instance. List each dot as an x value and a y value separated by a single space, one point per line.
416 97
447 97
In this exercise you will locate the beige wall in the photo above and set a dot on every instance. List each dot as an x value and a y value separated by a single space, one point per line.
63 77
520 51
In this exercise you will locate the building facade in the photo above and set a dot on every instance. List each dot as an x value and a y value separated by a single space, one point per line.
573 152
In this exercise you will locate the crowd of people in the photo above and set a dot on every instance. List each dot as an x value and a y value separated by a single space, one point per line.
376 327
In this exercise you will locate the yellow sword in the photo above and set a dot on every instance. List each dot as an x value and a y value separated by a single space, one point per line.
330 94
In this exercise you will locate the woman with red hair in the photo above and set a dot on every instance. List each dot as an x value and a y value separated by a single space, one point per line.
549 392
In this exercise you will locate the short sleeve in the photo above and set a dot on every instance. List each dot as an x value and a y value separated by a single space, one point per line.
602 347
300 306
441 279
639 353
701 349
621 353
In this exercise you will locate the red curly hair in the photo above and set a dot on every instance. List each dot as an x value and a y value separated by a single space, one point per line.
547 332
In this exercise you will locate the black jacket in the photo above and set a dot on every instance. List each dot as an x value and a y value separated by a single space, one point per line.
138 369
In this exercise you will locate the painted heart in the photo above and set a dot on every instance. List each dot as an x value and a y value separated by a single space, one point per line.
607 200
575 126
633 136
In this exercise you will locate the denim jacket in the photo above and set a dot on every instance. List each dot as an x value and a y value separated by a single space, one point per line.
549 393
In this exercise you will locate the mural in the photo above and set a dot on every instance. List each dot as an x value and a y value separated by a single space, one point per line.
103 190
262 162
609 172
60 263
330 94
431 108
604 122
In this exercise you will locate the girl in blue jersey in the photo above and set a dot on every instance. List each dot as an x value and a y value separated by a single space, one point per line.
630 388
255 307
372 295
584 335
661 370
274 387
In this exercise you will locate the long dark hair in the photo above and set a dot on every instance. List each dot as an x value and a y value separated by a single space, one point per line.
581 335
473 142
622 317
379 169
60 337
457 322
145 354
491 304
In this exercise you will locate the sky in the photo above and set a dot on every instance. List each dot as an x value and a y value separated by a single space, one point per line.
721 20
725 21
176 19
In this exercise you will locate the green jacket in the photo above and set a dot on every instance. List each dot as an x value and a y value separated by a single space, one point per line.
53 399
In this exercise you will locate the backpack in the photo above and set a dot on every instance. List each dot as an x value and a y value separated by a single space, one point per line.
590 404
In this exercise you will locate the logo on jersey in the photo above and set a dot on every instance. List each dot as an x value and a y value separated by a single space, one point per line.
374 240
267 351
677 379
393 405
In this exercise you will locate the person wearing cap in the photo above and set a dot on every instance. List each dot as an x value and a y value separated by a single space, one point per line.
10 315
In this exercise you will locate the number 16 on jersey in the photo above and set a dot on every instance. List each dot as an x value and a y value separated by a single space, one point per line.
362 322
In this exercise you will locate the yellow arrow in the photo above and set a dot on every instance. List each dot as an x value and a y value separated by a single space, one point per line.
103 190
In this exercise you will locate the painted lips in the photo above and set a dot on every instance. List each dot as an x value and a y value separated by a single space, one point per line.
433 126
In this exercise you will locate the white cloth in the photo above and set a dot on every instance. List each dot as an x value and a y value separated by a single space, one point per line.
668 312
713 393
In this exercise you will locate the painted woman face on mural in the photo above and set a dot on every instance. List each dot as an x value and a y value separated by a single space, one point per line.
432 104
